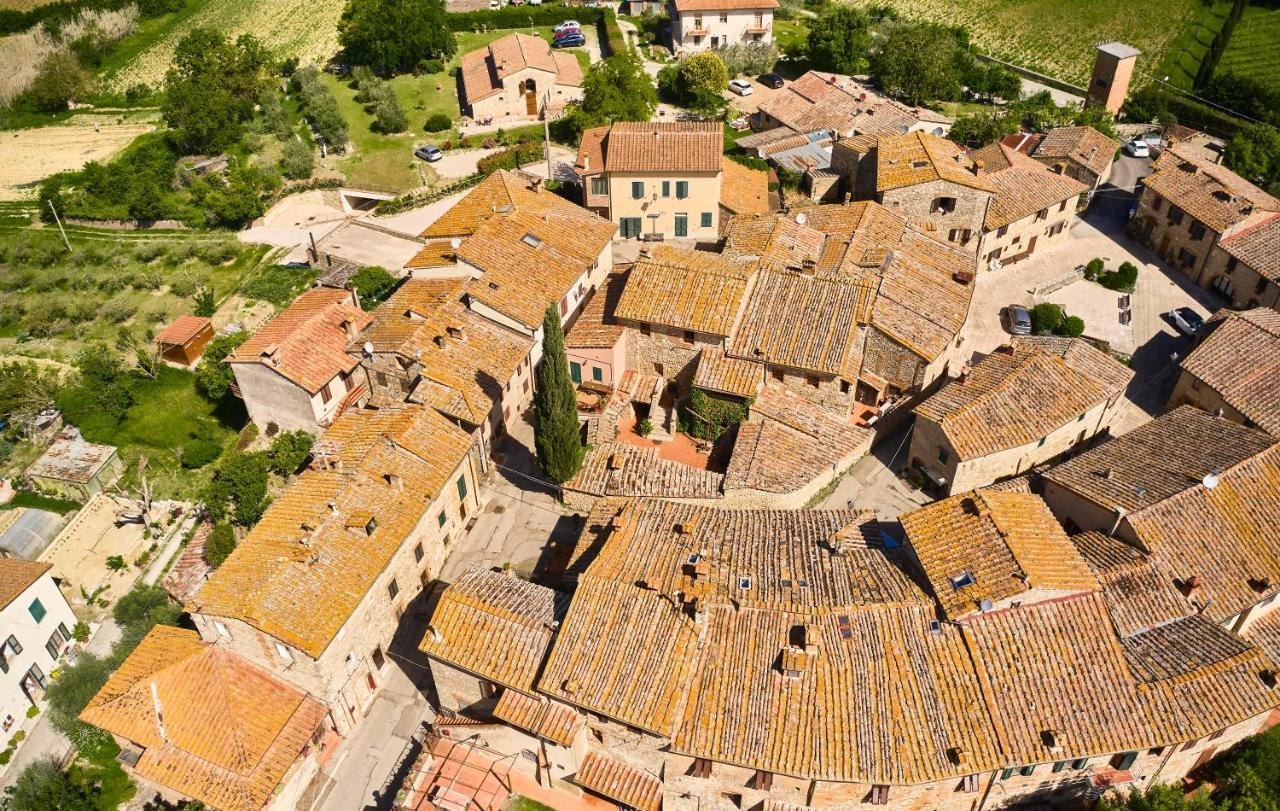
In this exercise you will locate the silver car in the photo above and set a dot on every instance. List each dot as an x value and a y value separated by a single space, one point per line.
1017 320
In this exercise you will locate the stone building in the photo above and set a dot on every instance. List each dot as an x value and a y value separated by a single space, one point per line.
295 373
1026 403
1079 152
518 78
37 623
841 106
1235 370
1190 207
207 725
697 25
708 654
1244 268
315 592
1112 71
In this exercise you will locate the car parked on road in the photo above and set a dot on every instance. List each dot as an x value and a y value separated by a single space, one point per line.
570 39
574 24
1017 320
740 86
429 153
1137 149
1185 320
771 80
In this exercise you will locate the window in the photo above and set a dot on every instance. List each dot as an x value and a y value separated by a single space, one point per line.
599 185
1027 771
325 394
697 23
701 768
1196 230
37 675
1215 736
37 610
1040 444
1006 774
724 17
564 305
1062 206
1001 231
879 795
1186 258
379 661
55 643
813 381
12 647
462 487
630 227
682 225
942 205
1059 766
441 519
637 189
659 370
844 386
418 553
597 374
575 372
779 376
1175 215
1156 204
1124 760
1042 214
284 652
682 189
666 188
1079 763
688 336
962 580
706 219
393 588
1231 265
1261 286
943 456
761 781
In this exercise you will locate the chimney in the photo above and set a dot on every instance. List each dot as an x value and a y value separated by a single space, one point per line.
442 341
1120 513
536 183
456 333
394 481
977 167
808 267
1190 587
586 163
349 327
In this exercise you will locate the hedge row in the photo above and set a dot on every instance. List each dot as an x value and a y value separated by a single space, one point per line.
611 39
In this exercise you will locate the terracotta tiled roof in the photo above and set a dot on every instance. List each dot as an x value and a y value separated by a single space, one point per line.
484 69
630 785
686 290
917 157
919 304
1241 361
182 330
1084 145
1258 247
1265 633
830 101
720 373
499 193
743 190
540 715
1138 589
394 462
596 326
727 5
669 146
214 727
496 626
437 253
826 340
789 441
620 469
1019 395
1212 194
1023 187
306 342
16 576
991 545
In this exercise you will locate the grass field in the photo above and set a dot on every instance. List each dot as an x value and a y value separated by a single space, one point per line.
1057 37
27 156
1255 45
1183 57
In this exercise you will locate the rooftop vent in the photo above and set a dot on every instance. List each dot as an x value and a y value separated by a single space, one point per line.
919 164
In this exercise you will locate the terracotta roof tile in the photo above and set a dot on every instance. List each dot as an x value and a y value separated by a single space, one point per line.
597 326
720 373
1084 145
729 5
829 101
215 727
619 469
743 190
1025 187
484 68
16 576
1139 590
1212 194
182 330
686 290
543 717
1258 247
630 785
668 146
306 342
1240 360
917 157
1017 396
305 543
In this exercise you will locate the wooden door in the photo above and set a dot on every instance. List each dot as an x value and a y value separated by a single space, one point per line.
530 100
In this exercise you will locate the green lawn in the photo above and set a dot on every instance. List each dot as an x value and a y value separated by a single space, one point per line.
1252 50
97 767
955 109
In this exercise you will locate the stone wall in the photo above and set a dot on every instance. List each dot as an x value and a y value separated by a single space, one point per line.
831 393
1191 390
269 397
665 353
1029 235
1240 285
970 209
1171 240
886 358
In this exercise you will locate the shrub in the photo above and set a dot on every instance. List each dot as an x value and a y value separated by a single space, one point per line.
200 452
116 563
1072 326
1093 270
288 451
81 632
219 545
321 108
644 427
510 158
205 304
217 252
1046 318
438 122
388 115
297 161
372 285
1124 280
431 66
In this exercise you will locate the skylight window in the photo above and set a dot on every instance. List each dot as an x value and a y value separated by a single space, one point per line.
962 580
744 583
531 240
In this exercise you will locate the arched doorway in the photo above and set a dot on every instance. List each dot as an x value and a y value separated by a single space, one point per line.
530 90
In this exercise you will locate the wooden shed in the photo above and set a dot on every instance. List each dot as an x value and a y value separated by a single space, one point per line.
184 340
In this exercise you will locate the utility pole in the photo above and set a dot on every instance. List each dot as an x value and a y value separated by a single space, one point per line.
58 220
546 131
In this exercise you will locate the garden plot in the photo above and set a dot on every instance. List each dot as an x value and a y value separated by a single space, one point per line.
28 156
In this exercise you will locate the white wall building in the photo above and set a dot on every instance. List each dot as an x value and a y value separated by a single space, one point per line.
36 624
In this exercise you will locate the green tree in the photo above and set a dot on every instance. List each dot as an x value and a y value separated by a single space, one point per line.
393 35
288 451
555 411
239 488
236 199
211 88
989 80
919 63
43 786
839 40
704 78
219 545
144 607
372 285
983 127
613 89
1159 797
298 160
1254 154
1046 318
105 389
25 390
213 375
205 304
59 80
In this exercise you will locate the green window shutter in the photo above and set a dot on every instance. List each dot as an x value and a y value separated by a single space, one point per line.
1059 765
441 519
1006 774
666 188
462 487
597 374
682 189
37 610
1125 761
637 189
682 225
706 219
575 371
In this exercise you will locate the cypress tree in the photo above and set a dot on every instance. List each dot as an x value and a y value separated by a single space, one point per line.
555 410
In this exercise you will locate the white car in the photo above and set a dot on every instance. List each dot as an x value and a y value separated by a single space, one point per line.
740 86
567 24
1137 149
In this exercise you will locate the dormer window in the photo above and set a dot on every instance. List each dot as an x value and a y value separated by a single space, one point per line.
962 580
744 583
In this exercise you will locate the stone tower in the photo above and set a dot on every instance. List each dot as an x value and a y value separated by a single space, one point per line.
1112 70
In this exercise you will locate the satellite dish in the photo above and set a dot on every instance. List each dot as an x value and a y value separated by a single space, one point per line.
454 243
986 605
1210 481
368 348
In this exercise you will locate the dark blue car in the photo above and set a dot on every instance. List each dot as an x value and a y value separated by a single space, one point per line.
570 40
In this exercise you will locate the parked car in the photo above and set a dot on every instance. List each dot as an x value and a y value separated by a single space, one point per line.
574 24
1185 320
740 86
1137 149
771 80
429 153
569 40
1017 320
